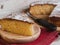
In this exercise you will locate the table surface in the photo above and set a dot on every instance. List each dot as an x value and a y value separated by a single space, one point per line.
56 42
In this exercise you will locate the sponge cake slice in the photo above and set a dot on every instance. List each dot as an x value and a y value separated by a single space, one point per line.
17 26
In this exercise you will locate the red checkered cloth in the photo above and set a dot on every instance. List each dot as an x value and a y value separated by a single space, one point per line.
44 39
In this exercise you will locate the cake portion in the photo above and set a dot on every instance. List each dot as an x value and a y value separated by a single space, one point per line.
41 10
55 20
17 26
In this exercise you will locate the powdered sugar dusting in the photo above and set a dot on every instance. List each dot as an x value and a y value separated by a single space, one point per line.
19 16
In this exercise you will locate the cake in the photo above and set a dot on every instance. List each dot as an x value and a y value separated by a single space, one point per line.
17 31
17 26
41 10
55 20
15 38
